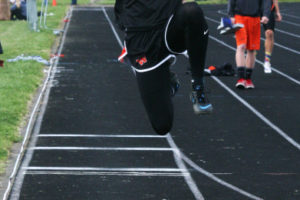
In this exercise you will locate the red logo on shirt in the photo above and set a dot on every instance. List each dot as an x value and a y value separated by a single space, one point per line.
141 61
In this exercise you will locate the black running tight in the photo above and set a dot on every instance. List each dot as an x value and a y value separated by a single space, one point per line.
187 31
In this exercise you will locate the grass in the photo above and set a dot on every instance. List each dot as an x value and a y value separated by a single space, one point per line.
20 80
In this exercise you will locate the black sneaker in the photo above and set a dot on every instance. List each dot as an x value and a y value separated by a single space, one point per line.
201 104
175 84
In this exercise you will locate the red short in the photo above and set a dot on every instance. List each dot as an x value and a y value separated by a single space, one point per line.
250 34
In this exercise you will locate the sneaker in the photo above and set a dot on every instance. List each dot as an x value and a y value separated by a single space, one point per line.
175 84
249 84
241 83
227 27
201 104
267 67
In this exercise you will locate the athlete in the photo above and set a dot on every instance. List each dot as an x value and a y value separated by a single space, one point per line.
269 28
247 12
155 32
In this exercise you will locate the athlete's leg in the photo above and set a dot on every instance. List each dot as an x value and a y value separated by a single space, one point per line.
155 90
188 30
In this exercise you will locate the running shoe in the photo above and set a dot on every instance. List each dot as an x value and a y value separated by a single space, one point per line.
175 84
267 67
227 27
201 105
249 84
241 83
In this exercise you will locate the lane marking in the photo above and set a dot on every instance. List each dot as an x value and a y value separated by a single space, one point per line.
113 28
216 179
258 114
188 178
101 148
107 173
289 15
103 169
291 23
101 136
43 94
287 33
87 9
275 43
283 47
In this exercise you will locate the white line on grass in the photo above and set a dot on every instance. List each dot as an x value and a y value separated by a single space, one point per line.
44 95
31 121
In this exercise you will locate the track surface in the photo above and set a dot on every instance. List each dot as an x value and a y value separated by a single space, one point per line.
95 141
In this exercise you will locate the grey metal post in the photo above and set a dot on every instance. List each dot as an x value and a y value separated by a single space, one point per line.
32 17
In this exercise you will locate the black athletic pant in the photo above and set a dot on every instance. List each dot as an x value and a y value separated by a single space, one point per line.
187 31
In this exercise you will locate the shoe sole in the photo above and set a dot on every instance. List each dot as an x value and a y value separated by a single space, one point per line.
240 86
268 71
198 111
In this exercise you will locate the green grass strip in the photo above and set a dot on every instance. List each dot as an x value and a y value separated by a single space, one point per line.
19 80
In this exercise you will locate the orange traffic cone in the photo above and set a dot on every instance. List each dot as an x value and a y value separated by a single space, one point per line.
53 2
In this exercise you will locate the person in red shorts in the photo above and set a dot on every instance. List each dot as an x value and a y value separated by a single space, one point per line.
247 12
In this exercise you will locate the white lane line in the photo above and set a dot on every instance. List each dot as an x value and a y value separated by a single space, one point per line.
37 124
284 47
102 148
104 169
101 136
218 180
107 173
210 175
112 28
258 61
275 43
258 114
291 23
134 173
188 178
289 15
31 121
87 9
276 29
287 33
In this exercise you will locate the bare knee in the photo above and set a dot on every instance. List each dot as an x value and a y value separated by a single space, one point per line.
241 48
269 34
